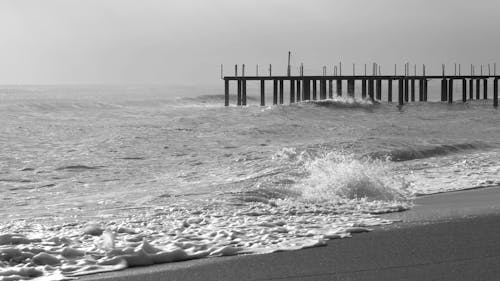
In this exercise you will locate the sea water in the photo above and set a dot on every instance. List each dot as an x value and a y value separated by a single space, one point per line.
100 178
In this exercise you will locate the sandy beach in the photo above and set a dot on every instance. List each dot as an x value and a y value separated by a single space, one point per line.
449 236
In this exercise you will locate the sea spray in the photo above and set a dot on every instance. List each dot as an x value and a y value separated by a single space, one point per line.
341 176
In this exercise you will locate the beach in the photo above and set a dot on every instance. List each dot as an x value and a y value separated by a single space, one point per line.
451 236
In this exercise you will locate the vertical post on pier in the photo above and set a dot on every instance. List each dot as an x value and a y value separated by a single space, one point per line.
314 90
471 89
363 87
330 89
281 91
307 89
371 93
339 87
389 90
464 90
323 89
275 92
425 89
421 90
350 87
226 92
262 93
407 88
400 92
444 90
478 86
292 91
379 89
298 90
412 90
244 92
495 92
450 91
485 89
238 98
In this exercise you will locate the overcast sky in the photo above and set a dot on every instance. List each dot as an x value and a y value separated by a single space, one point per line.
185 41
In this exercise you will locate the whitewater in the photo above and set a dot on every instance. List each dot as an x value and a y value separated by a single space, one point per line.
101 178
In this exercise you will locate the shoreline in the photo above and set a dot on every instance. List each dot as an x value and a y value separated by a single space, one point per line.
445 236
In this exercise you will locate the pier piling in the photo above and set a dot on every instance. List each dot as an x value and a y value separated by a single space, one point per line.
464 90
379 89
389 90
450 91
400 92
275 92
239 93
281 92
495 92
485 89
262 93
244 92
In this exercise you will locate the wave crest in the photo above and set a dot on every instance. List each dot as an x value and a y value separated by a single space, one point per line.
338 176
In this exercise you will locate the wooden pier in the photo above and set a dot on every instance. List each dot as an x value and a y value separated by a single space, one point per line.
320 87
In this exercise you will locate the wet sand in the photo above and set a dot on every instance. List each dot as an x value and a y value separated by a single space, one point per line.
449 236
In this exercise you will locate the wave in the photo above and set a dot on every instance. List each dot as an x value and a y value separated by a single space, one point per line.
343 176
427 151
328 177
343 102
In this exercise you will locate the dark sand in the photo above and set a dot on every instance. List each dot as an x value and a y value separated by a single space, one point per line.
450 236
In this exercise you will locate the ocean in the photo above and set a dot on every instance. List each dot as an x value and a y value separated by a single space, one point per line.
99 178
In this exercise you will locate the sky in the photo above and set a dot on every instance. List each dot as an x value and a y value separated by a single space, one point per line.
184 42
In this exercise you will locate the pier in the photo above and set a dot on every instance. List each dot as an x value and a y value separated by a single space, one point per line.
320 87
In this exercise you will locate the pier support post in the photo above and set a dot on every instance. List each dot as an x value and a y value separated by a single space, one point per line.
350 87
314 90
471 89
485 89
421 90
307 89
298 91
244 92
262 93
339 87
371 85
281 92
495 92
379 89
426 83
407 89
389 90
363 88
292 91
444 90
400 91
226 92
239 93
322 89
275 92
450 91
464 90
478 85
330 89
412 90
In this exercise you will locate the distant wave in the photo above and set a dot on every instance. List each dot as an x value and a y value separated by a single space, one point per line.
215 98
341 102
426 151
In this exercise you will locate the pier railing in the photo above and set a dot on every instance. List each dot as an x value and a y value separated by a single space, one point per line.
320 87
